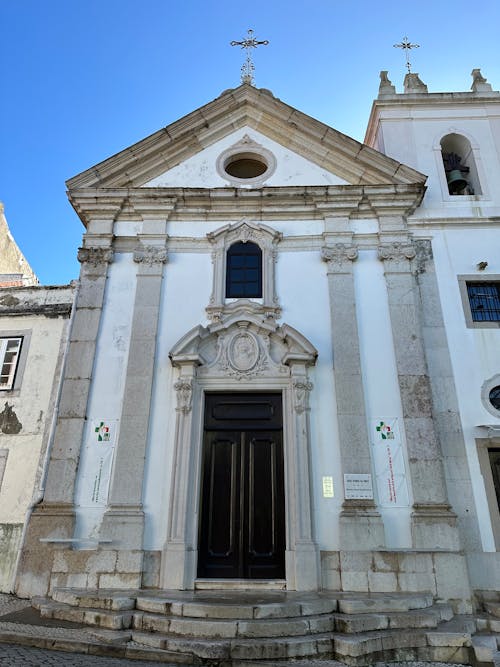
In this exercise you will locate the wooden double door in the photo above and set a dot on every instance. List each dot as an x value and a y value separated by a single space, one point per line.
242 528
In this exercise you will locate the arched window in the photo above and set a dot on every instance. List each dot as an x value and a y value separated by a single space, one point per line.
244 270
459 165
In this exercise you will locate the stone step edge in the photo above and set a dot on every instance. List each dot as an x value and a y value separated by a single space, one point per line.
347 603
401 603
109 650
414 619
111 620
96 600
252 611
232 648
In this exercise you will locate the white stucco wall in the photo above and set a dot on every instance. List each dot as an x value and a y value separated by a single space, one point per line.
107 387
475 352
199 171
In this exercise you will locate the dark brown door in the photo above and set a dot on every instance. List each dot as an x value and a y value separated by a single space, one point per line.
494 455
242 511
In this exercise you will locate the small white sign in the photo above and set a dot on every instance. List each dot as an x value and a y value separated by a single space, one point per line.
358 486
328 487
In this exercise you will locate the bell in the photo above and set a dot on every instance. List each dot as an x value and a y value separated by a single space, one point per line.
456 181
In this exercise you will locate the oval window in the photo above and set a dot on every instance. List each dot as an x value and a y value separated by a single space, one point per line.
245 165
495 397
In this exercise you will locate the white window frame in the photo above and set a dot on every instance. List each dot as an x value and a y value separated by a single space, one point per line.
475 278
4 453
10 375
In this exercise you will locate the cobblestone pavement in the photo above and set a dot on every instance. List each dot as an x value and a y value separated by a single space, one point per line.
25 656
12 655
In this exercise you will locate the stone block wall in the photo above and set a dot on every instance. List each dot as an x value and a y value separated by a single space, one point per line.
444 574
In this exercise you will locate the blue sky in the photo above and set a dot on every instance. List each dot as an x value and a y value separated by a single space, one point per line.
81 80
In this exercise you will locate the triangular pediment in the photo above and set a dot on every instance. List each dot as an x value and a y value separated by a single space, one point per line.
165 158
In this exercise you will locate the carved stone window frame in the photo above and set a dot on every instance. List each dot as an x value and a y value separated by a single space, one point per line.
246 147
221 240
487 386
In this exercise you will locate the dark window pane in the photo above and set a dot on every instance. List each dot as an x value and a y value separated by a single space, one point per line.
244 270
484 300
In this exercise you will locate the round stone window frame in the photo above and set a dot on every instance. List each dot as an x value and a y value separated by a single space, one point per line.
250 151
488 385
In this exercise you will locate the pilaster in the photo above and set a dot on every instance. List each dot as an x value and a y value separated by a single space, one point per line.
123 521
445 411
54 517
302 555
360 523
433 522
178 566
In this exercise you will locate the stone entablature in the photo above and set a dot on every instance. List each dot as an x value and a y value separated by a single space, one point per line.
269 203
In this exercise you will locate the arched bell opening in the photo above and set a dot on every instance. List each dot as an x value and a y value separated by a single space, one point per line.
460 165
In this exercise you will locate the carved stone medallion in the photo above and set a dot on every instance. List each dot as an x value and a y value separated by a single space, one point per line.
243 352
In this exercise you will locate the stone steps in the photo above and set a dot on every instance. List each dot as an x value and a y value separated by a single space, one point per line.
223 628
282 648
233 629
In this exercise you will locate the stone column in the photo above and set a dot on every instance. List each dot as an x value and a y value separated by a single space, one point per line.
54 517
180 556
302 555
433 522
123 521
361 525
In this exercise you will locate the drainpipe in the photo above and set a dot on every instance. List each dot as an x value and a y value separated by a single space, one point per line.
38 496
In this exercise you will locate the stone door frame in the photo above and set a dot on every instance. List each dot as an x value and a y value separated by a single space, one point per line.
198 375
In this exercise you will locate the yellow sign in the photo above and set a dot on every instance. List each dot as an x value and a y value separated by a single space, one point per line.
328 487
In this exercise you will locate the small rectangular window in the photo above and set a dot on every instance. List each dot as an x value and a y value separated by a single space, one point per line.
10 349
484 301
3 463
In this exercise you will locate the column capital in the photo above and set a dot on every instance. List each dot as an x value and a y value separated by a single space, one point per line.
301 390
397 253
184 391
150 254
339 257
95 255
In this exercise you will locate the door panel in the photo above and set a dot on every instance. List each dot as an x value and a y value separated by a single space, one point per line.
242 513
494 455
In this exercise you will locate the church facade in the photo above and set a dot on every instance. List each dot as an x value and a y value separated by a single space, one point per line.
283 367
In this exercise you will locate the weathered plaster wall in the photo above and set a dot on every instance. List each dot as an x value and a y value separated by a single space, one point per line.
12 260
26 412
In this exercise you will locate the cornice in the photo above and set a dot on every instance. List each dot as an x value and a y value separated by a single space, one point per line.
271 203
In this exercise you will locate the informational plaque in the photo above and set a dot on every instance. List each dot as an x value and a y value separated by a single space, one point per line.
389 463
358 486
328 487
98 459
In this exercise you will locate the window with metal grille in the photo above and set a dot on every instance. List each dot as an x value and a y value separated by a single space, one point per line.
484 300
244 270
9 359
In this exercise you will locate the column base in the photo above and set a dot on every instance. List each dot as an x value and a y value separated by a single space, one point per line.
178 567
434 526
47 521
123 525
303 567
361 526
